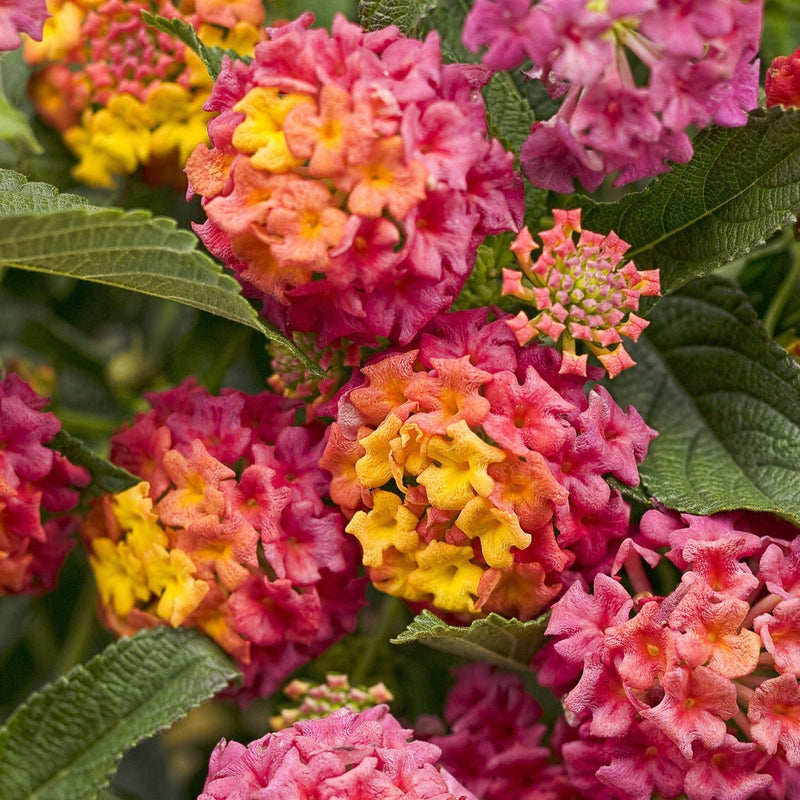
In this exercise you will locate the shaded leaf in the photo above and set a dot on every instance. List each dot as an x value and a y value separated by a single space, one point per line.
107 478
741 186
725 401
507 643
66 740
60 234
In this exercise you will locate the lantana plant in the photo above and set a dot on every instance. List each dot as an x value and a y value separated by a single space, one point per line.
399 400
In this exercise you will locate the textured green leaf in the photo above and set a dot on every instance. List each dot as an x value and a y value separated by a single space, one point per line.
60 234
107 478
406 14
726 403
507 643
65 741
741 186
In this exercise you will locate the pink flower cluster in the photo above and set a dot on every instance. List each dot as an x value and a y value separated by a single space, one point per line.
697 56
351 179
360 756
582 291
37 492
694 693
21 16
456 459
494 743
228 532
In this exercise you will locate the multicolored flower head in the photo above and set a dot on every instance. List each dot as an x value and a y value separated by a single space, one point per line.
317 700
125 96
38 490
582 290
227 532
355 755
472 470
21 16
351 179
693 693
699 65
782 84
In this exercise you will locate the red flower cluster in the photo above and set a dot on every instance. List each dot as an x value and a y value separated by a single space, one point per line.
37 492
227 532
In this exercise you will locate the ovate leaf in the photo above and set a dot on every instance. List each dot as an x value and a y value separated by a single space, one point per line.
725 401
741 186
406 14
507 643
65 742
60 234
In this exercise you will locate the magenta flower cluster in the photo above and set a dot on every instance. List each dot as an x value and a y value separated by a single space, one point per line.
351 179
694 693
38 489
359 756
698 56
21 16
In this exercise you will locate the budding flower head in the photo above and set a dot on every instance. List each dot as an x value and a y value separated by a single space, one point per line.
583 290
313 701
227 532
351 179
125 96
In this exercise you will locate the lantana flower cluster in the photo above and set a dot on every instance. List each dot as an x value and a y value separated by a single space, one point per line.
227 532
38 490
697 59
455 460
582 290
125 96
317 700
694 693
351 179
360 756
21 16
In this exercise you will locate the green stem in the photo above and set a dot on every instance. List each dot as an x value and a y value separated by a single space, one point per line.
773 315
73 650
391 612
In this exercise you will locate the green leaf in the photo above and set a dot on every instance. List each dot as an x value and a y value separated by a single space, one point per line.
408 15
65 741
107 478
61 234
725 401
184 32
741 186
507 643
